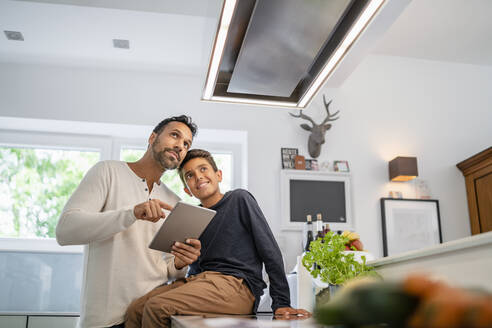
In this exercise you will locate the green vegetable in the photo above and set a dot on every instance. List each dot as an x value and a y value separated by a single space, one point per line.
369 304
327 258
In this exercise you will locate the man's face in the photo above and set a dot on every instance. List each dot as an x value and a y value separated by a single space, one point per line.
170 146
201 179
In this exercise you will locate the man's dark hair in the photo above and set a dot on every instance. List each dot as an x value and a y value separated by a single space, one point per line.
182 118
196 153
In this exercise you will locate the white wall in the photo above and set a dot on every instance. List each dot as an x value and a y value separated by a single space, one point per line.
389 106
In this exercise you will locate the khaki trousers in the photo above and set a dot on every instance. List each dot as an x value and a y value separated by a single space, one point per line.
207 292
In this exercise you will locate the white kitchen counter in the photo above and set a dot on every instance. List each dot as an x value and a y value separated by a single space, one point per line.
465 262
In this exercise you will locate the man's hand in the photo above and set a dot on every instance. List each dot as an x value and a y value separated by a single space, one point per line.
151 210
288 313
185 254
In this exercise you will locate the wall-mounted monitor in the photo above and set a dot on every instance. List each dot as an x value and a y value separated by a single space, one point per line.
311 192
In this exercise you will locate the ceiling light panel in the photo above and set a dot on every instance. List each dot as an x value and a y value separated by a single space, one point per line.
281 52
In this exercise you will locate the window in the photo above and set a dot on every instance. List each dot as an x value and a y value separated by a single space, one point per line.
43 161
35 184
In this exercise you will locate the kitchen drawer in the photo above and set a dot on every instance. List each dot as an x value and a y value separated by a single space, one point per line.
13 321
52 322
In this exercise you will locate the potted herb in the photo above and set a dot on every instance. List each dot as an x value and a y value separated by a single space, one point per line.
329 260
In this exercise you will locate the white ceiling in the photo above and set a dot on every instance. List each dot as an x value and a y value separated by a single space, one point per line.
176 36
444 30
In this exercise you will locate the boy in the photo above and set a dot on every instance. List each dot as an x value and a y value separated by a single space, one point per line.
227 277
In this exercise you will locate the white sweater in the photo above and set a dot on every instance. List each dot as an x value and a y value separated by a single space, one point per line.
118 265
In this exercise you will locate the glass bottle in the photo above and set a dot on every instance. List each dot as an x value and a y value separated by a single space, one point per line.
319 226
326 229
309 233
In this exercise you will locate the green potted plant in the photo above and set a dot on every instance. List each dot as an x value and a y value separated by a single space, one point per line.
330 260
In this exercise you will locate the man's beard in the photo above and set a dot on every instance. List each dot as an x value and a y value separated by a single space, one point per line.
167 162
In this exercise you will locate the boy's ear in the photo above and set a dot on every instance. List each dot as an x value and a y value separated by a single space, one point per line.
188 191
219 175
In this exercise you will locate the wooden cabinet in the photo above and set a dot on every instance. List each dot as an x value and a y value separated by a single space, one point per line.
478 178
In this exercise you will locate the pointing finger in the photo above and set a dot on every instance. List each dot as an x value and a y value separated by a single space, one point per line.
163 205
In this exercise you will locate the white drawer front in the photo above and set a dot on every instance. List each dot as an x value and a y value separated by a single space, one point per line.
52 322
13 321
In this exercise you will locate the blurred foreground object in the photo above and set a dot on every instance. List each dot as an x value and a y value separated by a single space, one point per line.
444 306
418 302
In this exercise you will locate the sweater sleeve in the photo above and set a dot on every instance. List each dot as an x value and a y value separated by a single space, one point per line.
172 272
82 221
268 250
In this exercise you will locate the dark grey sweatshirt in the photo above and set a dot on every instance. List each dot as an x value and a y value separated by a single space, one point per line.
237 242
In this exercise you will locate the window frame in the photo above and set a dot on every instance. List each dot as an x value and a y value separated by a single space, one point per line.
87 136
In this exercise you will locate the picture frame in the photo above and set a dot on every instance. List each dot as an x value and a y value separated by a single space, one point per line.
409 224
300 162
288 157
341 166
312 165
308 164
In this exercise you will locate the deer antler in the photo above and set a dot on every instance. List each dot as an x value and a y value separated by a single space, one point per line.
330 117
301 115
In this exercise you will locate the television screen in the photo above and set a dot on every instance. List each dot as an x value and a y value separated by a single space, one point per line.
314 196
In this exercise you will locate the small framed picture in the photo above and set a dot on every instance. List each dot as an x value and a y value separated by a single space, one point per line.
300 162
340 166
308 164
288 157
312 165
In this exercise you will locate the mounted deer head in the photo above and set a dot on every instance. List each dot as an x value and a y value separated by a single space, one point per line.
317 136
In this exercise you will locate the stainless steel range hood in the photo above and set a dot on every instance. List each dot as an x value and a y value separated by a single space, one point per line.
280 52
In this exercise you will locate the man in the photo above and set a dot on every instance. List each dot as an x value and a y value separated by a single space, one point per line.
115 212
227 277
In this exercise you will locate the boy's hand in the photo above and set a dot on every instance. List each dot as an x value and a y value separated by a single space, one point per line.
185 254
151 210
288 313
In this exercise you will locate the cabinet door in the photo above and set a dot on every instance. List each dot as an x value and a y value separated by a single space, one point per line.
483 188
13 321
52 322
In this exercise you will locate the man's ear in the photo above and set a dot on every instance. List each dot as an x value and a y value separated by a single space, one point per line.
152 138
188 191
219 175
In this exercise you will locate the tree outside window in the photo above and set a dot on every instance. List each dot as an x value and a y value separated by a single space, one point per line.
35 184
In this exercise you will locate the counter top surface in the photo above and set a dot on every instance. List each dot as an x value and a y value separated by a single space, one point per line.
450 246
247 321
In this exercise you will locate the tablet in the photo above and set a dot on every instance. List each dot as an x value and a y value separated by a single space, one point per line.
185 221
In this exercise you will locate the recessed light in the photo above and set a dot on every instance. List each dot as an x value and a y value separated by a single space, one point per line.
14 35
121 44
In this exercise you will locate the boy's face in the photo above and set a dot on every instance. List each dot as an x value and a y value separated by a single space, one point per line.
201 179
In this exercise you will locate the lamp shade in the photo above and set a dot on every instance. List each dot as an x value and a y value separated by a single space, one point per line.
403 168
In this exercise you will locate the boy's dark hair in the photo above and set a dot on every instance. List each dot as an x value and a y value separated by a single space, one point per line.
196 153
182 118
